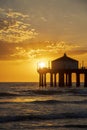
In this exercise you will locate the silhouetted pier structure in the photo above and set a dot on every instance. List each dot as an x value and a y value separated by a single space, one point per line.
61 73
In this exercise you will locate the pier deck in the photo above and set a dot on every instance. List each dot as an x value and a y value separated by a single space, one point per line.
65 76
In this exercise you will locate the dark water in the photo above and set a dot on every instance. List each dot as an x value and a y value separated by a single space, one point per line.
25 106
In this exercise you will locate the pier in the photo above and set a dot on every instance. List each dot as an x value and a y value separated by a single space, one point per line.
61 73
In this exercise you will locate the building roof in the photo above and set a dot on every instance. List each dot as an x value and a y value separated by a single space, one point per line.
64 58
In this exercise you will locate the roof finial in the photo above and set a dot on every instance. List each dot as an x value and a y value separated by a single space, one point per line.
64 54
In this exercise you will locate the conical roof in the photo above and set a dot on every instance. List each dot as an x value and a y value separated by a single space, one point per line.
65 58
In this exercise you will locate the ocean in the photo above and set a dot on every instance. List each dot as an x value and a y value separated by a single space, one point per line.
25 106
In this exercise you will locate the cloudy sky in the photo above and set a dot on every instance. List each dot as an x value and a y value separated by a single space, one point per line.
34 30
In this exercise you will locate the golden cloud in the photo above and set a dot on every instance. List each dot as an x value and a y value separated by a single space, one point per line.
61 46
14 28
30 51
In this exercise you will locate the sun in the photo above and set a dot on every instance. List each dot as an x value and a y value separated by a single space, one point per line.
41 65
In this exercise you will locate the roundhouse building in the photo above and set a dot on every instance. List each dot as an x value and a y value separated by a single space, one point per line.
64 62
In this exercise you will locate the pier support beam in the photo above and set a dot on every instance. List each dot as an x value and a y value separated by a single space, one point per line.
61 79
55 80
66 82
77 79
51 80
69 82
45 79
85 80
69 79
41 79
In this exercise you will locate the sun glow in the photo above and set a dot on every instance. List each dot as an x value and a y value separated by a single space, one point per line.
41 65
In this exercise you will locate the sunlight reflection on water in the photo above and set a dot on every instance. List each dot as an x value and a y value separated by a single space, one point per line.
43 109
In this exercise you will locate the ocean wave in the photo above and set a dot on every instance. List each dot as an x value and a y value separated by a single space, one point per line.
70 92
49 102
61 126
18 118
5 94
59 102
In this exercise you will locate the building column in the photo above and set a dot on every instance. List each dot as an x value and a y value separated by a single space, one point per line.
55 79
85 80
61 79
77 79
51 79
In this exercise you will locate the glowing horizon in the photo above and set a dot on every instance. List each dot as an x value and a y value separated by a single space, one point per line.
34 30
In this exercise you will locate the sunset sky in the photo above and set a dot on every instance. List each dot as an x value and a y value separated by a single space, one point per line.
40 30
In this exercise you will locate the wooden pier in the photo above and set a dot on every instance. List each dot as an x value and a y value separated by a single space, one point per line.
61 71
65 77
